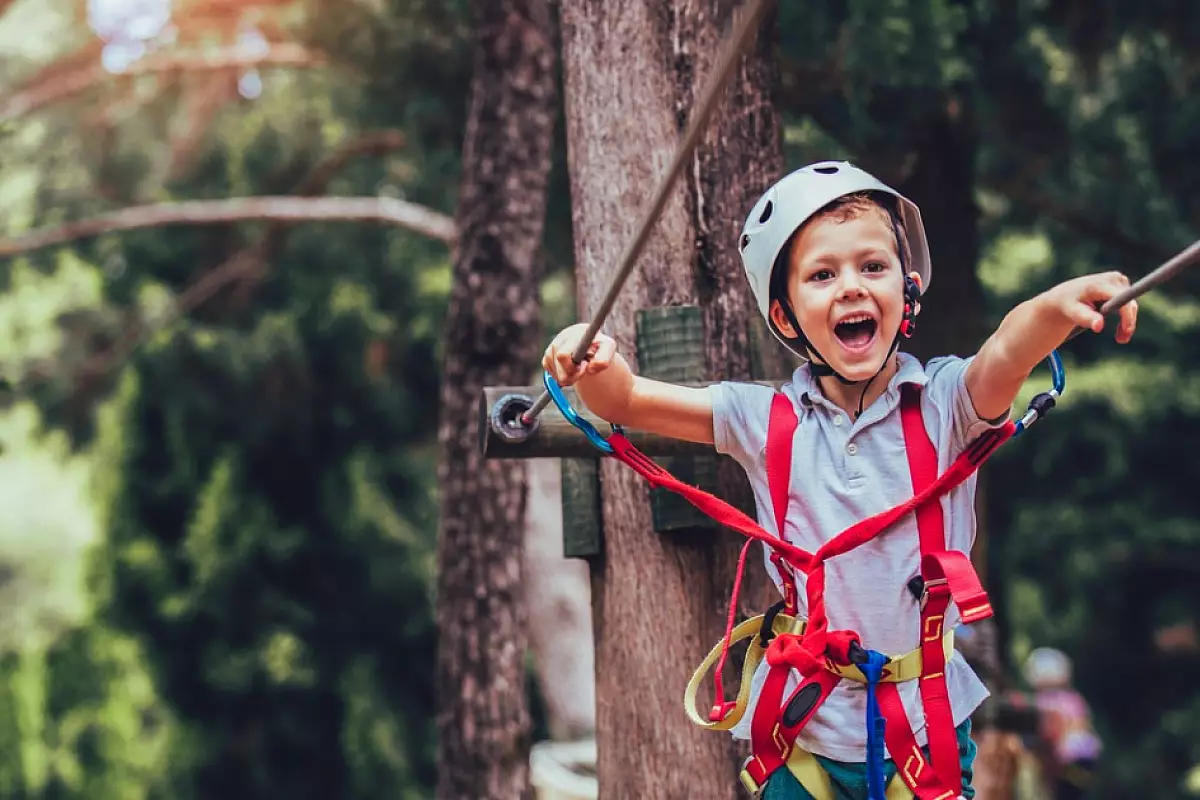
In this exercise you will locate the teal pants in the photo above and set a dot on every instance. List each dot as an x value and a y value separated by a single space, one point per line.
849 781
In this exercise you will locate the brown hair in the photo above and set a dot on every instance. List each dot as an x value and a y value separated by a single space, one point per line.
850 206
844 208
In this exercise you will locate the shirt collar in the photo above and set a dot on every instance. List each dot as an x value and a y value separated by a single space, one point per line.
808 388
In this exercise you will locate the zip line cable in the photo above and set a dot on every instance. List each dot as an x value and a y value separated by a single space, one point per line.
743 33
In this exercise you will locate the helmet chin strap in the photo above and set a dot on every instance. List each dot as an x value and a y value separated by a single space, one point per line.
822 369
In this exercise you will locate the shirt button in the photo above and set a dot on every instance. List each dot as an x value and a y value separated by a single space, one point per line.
839 420
852 448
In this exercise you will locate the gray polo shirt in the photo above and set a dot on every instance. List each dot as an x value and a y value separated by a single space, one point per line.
843 471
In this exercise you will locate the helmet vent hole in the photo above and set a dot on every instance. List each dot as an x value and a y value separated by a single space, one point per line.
829 170
766 212
745 241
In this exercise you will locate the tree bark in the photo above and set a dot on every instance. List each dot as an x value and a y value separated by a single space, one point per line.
631 73
491 337
941 181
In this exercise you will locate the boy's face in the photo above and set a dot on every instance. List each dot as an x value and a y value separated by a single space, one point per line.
847 291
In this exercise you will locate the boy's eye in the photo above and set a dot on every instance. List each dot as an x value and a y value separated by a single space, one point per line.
821 275
874 266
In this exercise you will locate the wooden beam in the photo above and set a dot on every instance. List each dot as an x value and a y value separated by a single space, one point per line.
554 437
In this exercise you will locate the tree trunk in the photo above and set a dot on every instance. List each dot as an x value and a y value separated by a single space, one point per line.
631 73
491 337
941 181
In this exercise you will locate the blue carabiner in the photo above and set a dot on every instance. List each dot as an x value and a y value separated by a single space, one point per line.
1042 403
570 415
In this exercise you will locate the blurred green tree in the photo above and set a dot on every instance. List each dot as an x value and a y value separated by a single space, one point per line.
266 491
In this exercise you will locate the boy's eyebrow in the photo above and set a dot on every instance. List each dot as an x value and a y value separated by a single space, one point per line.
832 259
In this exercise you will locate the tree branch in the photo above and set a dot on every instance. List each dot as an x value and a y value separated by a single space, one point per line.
58 87
384 210
137 330
316 182
245 263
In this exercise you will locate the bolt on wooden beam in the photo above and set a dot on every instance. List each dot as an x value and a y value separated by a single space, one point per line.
554 437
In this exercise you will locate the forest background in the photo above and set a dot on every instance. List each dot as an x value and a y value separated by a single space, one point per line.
219 438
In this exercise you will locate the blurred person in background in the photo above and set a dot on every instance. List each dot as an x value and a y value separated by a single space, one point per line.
1069 745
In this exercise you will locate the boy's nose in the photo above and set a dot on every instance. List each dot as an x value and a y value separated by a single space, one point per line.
852 286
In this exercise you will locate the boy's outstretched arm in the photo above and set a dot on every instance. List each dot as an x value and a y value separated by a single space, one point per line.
611 390
1031 330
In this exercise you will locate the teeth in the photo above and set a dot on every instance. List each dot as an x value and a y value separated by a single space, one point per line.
856 318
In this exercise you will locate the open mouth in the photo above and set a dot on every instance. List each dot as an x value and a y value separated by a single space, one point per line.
856 332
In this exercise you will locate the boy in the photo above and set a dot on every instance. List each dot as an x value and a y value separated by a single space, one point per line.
836 261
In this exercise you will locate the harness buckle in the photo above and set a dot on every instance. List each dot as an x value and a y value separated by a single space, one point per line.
789 594
721 711
752 786
937 585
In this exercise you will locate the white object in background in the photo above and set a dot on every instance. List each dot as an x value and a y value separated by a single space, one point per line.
564 770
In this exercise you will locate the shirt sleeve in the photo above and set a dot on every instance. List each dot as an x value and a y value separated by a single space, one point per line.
741 413
947 390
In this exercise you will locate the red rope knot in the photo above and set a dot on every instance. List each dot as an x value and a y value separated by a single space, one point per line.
807 655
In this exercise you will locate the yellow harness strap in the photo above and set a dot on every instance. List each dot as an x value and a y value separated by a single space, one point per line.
754 655
802 764
898 670
905 668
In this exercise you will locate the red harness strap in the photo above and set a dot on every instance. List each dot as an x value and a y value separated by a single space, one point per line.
947 574
781 430
785 556
719 510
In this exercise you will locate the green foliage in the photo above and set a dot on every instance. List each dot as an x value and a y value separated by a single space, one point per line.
1099 536
268 524
107 733
262 618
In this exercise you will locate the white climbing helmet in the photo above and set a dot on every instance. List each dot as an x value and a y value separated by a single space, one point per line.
791 201
1047 668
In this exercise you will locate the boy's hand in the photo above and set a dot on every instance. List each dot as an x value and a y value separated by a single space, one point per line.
1079 300
1036 327
559 361
612 392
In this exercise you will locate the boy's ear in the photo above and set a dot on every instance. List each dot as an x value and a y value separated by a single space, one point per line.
780 320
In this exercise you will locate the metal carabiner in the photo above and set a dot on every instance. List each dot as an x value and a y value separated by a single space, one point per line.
570 415
1041 403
